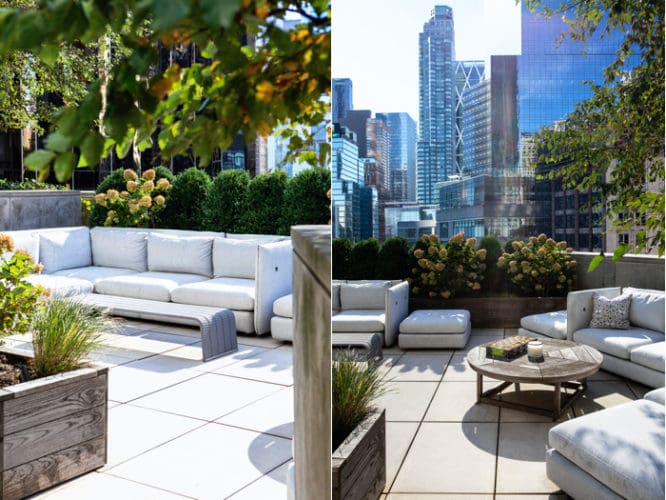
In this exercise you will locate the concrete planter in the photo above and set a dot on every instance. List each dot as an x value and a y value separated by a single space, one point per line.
359 463
52 429
494 312
39 209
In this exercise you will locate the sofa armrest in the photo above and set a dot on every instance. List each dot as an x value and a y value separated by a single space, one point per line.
397 308
579 307
273 280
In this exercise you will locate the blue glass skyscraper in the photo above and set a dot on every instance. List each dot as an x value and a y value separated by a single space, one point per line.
436 156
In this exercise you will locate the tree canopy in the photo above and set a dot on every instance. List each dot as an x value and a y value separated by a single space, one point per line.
265 63
614 141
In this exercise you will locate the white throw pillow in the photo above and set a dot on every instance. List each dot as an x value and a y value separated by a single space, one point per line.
119 247
610 313
191 255
235 258
64 249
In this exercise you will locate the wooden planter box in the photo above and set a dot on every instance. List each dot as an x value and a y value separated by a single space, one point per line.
52 429
494 312
359 463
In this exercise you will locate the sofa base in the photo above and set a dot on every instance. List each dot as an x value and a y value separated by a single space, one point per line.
218 326
282 328
579 484
633 371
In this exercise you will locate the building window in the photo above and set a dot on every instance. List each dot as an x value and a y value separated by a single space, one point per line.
623 239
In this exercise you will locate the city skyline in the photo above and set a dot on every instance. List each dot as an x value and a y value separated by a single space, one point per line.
385 79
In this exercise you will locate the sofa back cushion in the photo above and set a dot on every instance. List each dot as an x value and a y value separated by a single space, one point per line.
647 309
235 258
190 255
335 296
24 240
64 249
363 295
119 247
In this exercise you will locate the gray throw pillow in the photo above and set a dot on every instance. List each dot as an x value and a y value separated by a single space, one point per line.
610 313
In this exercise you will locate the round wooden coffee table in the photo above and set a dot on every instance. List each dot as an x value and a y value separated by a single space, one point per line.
565 364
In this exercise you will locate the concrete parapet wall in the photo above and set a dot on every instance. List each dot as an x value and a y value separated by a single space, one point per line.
640 271
39 209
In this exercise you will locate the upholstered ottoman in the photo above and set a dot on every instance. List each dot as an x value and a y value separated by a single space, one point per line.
435 329
551 324
614 453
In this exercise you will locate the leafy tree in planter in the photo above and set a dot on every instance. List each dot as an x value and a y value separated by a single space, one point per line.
226 201
615 139
242 86
306 200
264 203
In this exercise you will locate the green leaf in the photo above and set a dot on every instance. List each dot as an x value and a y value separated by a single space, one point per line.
595 262
91 149
39 160
64 166
620 250
58 142
168 14
218 13
49 54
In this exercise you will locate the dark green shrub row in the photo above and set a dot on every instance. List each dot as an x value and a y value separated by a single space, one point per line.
232 202
370 260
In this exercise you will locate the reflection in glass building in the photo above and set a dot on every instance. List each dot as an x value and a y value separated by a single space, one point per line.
402 155
498 193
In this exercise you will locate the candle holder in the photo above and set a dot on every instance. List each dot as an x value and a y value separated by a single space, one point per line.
535 351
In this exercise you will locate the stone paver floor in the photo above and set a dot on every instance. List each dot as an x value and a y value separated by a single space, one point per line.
181 428
441 445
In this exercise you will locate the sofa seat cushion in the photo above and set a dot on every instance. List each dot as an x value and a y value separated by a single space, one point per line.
61 286
65 248
282 307
359 320
552 324
149 285
650 356
656 395
436 321
617 343
94 274
228 293
622 447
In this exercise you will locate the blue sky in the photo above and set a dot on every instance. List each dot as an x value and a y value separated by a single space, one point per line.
375 43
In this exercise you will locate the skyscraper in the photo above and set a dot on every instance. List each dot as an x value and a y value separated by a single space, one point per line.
402 156
436 153
468 75
342 98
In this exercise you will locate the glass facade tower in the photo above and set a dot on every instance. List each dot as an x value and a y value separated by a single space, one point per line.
342 98
435 150
402 155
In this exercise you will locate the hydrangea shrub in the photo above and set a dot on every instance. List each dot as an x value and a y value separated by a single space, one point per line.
539 267
447 270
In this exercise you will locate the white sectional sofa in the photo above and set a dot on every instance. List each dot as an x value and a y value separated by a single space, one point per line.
242 273
372 306
637 352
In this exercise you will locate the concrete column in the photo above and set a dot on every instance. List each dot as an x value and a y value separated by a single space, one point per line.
312 361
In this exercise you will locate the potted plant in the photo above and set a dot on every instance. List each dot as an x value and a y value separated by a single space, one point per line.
53 406
359 430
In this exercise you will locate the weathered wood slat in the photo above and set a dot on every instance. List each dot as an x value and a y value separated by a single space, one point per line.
44 472
54 436
359 464
54 402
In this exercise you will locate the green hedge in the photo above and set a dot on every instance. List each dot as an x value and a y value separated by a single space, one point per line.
184 207
264 205
226 201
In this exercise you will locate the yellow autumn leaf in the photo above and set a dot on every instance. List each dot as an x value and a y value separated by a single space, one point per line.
312 85
298 35
264 91
262 11
264 129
